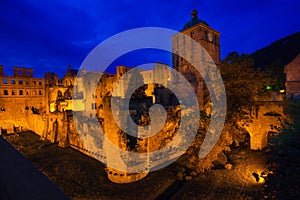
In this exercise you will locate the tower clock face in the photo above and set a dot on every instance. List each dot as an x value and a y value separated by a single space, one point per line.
210 37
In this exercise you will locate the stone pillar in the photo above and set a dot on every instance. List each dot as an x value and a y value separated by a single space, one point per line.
258 141
63 142
45 132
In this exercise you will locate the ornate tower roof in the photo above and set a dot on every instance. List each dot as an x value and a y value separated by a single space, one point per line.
194 21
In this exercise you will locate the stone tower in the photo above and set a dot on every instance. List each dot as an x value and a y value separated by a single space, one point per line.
209 39
116 137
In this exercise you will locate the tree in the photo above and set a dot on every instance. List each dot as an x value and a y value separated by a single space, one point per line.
243 83
276 71
284 156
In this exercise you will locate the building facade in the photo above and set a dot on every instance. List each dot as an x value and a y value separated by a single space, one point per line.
292 71
20 94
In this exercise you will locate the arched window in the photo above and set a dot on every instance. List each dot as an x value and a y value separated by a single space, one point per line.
59 93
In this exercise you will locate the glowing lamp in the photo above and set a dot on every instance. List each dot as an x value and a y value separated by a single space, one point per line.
52 107
268 87
261 180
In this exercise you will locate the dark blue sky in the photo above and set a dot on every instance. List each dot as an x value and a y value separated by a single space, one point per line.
49 35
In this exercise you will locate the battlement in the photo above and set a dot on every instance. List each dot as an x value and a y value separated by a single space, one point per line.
18 71
23 72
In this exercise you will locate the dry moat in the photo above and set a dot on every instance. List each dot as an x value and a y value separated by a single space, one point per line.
82 177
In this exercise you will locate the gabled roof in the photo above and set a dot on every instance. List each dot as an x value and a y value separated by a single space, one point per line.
294 64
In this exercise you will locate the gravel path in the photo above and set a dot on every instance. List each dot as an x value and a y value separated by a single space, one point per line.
82 177
236 183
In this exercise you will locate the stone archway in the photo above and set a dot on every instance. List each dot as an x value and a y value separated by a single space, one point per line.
245 139
266 116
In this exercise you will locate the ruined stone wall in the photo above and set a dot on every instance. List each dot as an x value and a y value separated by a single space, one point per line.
94 89
36 123
265 117
55 127
164 136
59 98
19 112
74 139
21 96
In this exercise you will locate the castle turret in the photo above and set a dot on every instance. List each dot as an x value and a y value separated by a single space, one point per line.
114 134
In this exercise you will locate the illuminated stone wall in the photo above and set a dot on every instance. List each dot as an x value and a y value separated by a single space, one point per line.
266 117
22 98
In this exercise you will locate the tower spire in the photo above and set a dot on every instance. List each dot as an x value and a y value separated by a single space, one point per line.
194 14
